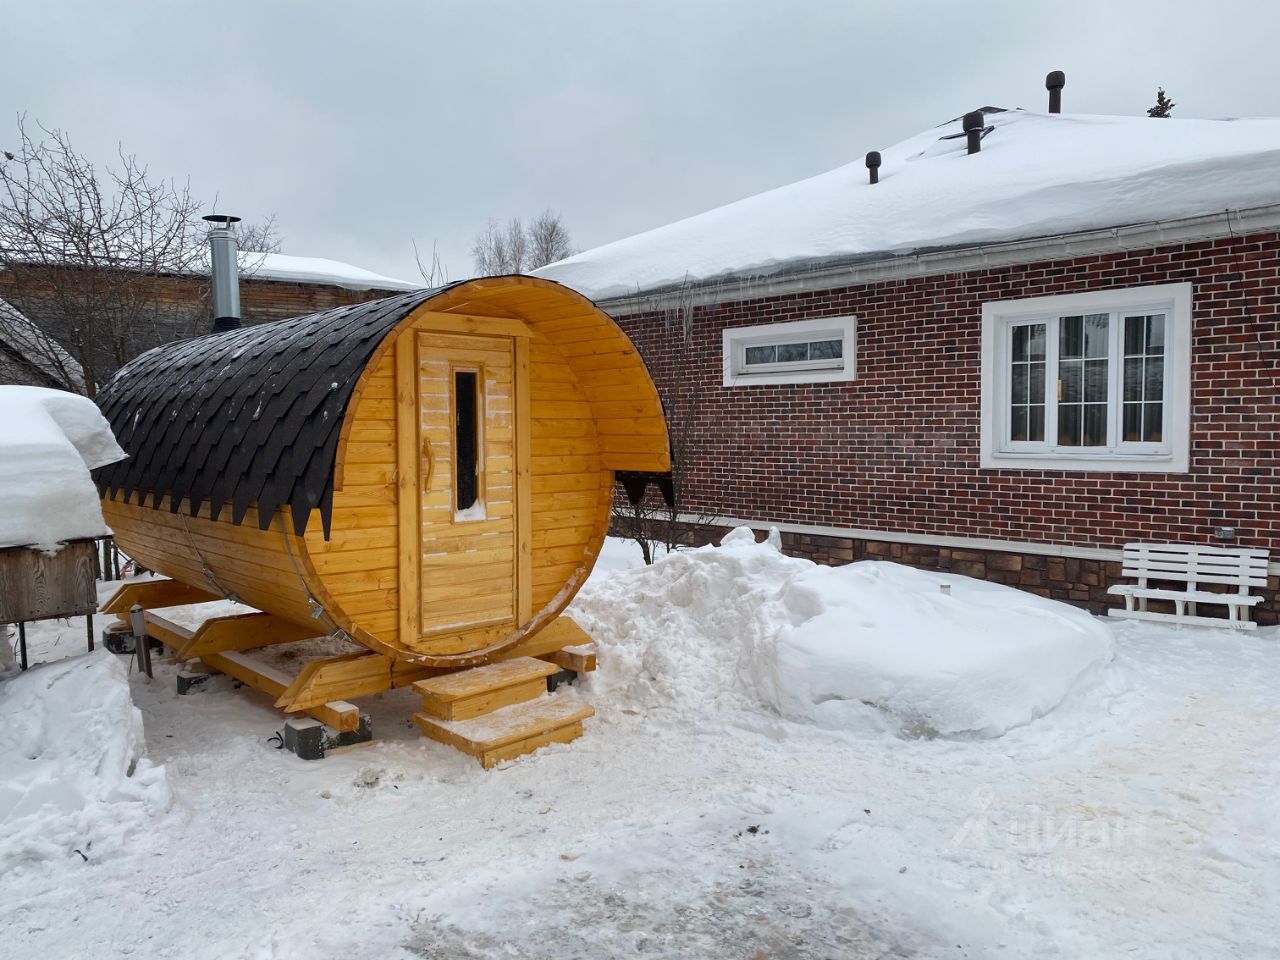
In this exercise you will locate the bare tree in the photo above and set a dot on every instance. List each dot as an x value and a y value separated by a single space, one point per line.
435 275
259 237
89 253
254 241
548 240
500 249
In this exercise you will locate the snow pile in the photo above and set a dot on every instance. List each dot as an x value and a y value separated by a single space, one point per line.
870 645
49 441
1036 175
72 776
285 268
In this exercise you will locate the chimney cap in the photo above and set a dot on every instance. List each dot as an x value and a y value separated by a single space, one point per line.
221 218
1056 80
974 120
873 159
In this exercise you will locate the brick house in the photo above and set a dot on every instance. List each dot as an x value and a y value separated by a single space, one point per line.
1005 363
275 286
272 287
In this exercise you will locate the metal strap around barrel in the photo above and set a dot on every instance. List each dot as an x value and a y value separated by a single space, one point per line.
317 608
204 565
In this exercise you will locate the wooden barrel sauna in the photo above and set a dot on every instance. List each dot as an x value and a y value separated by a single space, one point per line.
431 474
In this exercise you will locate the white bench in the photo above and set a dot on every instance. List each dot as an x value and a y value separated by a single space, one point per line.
1193 565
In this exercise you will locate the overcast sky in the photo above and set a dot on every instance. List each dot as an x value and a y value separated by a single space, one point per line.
364 126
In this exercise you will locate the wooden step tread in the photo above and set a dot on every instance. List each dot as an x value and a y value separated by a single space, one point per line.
523 721
478 680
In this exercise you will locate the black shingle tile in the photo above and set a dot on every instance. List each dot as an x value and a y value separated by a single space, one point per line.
247 416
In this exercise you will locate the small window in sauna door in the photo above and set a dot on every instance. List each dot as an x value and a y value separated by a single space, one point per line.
467 506
466 445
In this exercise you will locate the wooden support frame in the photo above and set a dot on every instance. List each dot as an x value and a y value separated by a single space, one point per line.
362 675
577 659
343 717
154 594
346 677
245 631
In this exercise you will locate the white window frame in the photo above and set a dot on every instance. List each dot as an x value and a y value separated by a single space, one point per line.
1171 455
737 339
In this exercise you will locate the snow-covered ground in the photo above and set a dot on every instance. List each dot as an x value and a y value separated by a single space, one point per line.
1139 816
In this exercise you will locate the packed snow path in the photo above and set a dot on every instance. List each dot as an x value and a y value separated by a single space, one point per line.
1141 818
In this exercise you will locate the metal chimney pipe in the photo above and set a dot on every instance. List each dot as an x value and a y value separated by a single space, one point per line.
225 271
1054 83
873 165
973 125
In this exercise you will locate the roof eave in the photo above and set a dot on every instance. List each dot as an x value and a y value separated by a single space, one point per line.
807 276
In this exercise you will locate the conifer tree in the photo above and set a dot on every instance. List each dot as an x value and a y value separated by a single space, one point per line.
1164 106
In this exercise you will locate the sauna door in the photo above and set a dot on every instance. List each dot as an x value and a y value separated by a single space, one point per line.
467 510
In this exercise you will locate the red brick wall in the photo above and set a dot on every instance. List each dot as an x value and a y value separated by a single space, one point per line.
897 449
181 308
262 301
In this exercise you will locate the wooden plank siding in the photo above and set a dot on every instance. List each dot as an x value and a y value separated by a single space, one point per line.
567 401
480 550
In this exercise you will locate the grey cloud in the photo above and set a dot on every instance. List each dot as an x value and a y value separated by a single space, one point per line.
365 126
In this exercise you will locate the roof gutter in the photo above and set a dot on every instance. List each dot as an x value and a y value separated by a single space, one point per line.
818 275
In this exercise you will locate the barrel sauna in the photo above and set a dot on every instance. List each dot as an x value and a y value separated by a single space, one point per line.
431 474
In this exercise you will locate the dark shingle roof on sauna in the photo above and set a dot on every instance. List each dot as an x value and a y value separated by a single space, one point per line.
251 416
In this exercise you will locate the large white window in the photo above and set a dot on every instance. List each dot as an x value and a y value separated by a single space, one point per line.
1088 381
804 351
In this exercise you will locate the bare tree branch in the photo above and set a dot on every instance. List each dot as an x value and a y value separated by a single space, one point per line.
259 237
548 240
513 249
437 274
94 256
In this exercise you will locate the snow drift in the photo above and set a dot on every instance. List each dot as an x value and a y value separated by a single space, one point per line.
870 645
72 774
49 441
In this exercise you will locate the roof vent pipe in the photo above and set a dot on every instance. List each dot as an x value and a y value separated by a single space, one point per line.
873 166
1054 83
225 271
973 125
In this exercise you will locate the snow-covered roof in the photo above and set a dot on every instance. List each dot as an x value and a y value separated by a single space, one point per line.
49 441
33 353
279 266
1037 175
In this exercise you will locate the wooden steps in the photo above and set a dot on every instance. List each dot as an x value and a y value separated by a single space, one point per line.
481 690
498 711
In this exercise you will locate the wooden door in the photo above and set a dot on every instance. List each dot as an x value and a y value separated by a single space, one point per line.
467 504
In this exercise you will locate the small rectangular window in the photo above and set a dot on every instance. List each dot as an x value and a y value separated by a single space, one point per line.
800 355
466 439
797 351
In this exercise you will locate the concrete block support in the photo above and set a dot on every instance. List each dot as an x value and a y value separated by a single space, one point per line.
310 739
